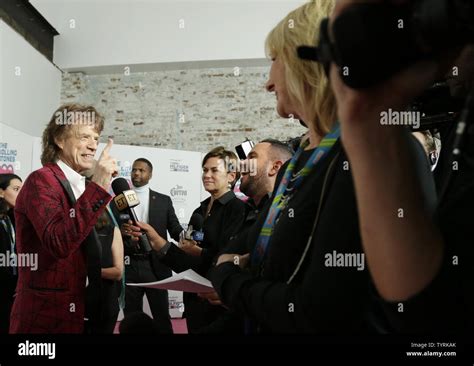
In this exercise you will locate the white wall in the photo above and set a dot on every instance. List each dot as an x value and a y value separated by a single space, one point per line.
30 85
124 32
16 151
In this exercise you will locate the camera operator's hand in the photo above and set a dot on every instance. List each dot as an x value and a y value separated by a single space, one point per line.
190 247
156 241
387 179
359 109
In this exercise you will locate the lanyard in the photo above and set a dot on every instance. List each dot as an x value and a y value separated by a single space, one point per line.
288 186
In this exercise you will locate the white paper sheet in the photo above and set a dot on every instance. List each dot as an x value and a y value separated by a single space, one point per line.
187 281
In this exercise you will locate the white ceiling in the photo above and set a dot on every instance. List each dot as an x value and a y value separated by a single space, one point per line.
99 36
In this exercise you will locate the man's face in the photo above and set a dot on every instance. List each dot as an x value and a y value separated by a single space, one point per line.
78 147
254 182
141 174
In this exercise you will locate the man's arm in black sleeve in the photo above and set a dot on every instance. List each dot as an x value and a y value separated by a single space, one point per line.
312 305
173 225
180 261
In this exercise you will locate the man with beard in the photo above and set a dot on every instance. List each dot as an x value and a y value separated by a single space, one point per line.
269 155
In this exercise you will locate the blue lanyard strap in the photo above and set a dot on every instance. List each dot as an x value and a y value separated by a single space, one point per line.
288 185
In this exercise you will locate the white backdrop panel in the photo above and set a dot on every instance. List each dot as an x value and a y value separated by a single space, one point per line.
16 150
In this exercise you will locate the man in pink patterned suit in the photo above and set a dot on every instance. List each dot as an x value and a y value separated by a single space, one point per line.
55 215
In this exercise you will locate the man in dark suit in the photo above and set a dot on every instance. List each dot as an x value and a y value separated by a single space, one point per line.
55 214
157 210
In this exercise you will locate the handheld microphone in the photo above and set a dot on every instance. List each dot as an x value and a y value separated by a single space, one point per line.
194 231
125 200
124 217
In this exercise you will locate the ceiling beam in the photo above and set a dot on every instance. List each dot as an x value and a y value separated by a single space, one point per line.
29 23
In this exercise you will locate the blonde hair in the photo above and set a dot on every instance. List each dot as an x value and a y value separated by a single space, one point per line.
60 125
306 82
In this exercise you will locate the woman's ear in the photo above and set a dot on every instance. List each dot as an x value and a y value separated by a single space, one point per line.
231 176
2 193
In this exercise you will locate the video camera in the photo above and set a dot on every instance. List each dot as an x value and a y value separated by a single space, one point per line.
372 41
437 107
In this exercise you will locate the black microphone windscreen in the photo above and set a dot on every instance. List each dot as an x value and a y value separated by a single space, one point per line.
119 185
196 221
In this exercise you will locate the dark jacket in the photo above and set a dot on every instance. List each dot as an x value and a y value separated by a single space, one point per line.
224 221
60 231
8 278
242 242
162 217
300 288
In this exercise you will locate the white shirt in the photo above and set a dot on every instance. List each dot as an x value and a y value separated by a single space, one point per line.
77 181
142 209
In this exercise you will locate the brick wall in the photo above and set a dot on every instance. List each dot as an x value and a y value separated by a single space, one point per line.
196 109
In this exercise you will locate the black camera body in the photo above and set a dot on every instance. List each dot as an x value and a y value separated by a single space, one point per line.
437 107
372 41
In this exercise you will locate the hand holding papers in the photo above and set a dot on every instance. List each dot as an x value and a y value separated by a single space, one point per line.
187 281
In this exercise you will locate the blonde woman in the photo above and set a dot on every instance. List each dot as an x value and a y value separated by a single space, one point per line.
310 270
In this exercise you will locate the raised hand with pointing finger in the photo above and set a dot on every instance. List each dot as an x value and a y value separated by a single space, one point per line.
106 167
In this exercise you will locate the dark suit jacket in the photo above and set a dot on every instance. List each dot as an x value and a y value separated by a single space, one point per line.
51 299
162 218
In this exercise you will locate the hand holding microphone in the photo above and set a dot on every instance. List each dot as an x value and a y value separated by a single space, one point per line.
136 230
194 231
125 200
190 247
193 236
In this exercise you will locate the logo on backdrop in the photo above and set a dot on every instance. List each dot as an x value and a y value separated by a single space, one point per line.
177 166
178 191
8 161
124 168
178 194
